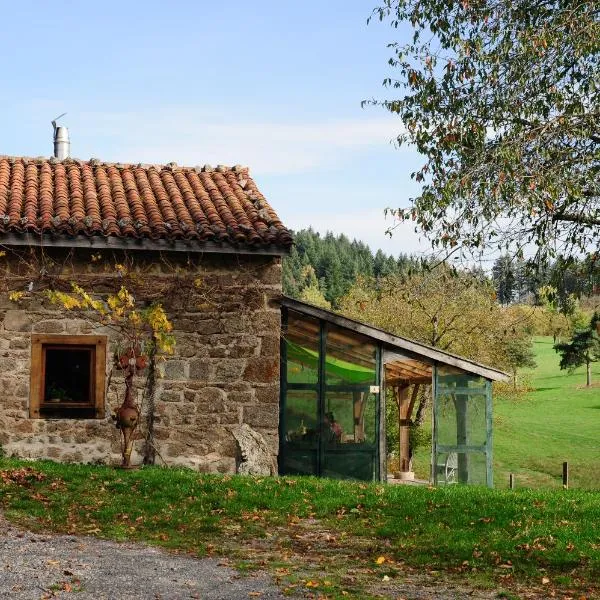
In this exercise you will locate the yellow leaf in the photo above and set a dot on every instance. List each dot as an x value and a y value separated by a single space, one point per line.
15 296
380 560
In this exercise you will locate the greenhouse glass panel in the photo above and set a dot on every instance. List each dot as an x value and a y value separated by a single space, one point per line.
302 349
463 428
350 359
349 433
300 443
299 420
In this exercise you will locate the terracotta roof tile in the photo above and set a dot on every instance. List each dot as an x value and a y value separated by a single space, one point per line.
93 198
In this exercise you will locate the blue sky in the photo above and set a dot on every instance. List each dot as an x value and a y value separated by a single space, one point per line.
275 85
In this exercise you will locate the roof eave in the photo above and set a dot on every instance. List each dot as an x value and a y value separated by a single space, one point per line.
60 240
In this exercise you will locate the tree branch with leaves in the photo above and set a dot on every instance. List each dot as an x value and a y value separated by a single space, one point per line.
501 99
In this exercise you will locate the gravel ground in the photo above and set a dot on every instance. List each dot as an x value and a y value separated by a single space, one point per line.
39 567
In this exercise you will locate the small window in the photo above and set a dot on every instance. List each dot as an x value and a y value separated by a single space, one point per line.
67 377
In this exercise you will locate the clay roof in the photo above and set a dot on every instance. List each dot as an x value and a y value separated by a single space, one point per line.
155 202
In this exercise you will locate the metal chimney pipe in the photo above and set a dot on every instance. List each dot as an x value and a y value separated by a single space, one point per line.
62 144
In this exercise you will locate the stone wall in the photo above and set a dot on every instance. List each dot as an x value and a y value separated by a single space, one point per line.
225 370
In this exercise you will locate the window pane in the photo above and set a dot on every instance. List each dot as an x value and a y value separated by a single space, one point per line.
350 360
68 375
300 415
451 378
68 382
350 417
302 341
461 420
299 449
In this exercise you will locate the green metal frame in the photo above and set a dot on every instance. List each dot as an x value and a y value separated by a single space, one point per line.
322 392
489 434
282 383
434 426
379 395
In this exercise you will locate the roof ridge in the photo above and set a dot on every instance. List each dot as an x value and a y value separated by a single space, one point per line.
170 166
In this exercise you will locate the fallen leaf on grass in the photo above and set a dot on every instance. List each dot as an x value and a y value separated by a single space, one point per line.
545 580
93 530
380 560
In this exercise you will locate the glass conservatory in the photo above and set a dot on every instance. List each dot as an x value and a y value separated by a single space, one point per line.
334 377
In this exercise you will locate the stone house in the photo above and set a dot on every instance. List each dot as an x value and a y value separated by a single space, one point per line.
205 243
172 227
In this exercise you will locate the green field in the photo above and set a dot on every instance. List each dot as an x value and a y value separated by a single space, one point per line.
558 420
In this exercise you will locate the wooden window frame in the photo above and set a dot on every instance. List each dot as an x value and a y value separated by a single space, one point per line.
40 343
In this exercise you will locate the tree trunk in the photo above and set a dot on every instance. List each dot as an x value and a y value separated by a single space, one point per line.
423 404
588 373
149 449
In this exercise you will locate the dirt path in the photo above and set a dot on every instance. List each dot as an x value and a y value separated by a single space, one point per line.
34 566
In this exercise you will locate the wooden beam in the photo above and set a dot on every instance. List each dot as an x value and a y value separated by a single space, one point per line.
408 381
413 399
403 428
407 377
409 368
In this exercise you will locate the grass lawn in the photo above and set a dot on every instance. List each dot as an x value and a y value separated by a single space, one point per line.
559 420
331 539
